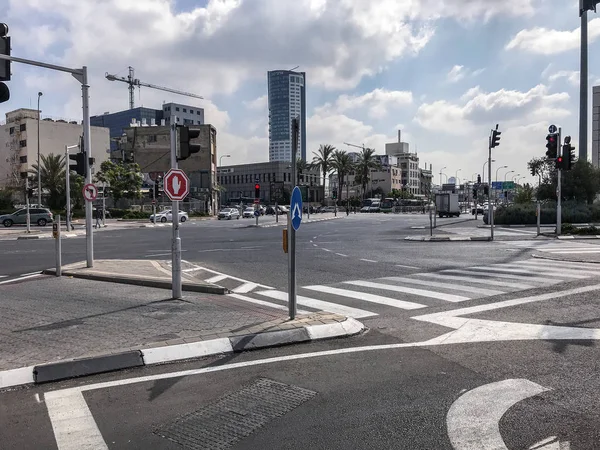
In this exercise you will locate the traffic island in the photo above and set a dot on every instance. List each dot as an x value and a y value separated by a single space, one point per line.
446 238
148 273
85 327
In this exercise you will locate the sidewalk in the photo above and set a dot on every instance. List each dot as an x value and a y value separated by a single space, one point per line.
53 328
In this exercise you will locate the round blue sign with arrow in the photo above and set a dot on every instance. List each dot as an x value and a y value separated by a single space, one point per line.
552 129
296 208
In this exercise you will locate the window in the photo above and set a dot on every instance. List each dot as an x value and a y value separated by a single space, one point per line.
184 110
152 138
191 111
23 127
23 159
23 143
198 112
177 108
11 130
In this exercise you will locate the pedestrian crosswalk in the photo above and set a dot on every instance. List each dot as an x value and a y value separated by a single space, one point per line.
485 232
373 297
557 247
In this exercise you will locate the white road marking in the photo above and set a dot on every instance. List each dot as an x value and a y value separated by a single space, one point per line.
408 290
92 440
366 297
241 280
504 275
450 286
552 271
473 419
157 254
486 281
263 303
320 304
3 276
37 398
30 273
245 288
368 260
573 267
326 250
20 278
216 279
341 254
314 245
407 267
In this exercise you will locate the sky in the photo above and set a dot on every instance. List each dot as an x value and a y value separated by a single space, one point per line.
444 72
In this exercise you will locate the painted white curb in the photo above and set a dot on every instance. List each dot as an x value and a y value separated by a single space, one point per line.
186 351
330 330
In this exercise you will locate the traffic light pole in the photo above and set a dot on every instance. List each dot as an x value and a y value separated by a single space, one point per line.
68 186
154 203
176 242
27 204
559 187
291 231
80 75
490 205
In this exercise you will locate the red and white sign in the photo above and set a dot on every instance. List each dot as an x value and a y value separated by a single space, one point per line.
257 201
176 184
90 192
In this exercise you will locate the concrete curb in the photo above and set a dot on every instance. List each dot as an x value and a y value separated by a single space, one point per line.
446 238
61 370
284 222
141 281
35 236
581 238
565 260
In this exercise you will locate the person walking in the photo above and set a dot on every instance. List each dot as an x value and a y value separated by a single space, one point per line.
98 218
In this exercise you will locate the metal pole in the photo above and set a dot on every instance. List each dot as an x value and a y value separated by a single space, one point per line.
583 88
103 207
154 202
39 174
58 248
490 205
176 243
87 145
538 213
27 204
276 213
559 187
430 223
291 231
68 189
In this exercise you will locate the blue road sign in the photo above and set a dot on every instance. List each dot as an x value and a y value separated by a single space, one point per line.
296 208
256 213
552 129
496 184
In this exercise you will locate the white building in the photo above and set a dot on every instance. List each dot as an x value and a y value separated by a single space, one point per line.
19 143
596 126
186 114
408 162
287 100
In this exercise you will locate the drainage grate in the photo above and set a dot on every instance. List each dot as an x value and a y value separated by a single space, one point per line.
235 416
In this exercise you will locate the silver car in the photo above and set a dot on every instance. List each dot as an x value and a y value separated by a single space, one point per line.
39 216
229 213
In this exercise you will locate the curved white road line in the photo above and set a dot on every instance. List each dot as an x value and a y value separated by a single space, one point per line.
473 419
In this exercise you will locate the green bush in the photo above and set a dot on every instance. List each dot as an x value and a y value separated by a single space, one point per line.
525 214
135 215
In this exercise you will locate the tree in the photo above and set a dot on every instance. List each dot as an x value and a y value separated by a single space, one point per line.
524 194
124 179
323 159
402 194
52 177
582 183
301 167
343 165
365 164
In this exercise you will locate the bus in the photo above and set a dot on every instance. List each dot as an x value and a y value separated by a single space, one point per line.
387 205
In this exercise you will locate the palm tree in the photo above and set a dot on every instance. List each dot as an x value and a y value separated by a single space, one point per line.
323 159
301 167
52 175
343 165
365 164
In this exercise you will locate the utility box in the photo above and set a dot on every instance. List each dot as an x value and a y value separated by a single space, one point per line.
447 205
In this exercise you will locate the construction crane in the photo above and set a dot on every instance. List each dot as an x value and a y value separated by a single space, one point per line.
357 146
133 82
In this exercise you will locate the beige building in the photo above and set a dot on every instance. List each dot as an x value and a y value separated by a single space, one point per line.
19 143
149 146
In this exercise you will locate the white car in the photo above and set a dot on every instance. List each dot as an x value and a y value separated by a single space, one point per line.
229 213
167 216
248 213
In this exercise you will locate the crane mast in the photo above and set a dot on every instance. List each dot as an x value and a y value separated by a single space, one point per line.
133 82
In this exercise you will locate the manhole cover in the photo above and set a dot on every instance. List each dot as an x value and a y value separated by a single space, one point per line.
235 416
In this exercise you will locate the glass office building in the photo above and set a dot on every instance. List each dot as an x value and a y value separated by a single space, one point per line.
287 99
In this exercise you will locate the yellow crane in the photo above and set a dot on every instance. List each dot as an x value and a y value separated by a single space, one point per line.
133 82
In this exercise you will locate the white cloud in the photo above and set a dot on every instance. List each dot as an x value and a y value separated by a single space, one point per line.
259 103
572 76
377 103
545 41
456 74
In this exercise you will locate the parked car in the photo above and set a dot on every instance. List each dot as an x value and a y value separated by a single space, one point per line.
39 216
167 216
228 214
248 213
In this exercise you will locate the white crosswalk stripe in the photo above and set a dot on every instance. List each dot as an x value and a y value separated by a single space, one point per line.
412 291
556 247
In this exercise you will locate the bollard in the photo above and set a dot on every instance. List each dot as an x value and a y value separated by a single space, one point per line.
56 236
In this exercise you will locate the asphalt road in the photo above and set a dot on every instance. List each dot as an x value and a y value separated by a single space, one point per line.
470 345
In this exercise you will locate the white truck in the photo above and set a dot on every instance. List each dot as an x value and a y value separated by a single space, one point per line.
447 205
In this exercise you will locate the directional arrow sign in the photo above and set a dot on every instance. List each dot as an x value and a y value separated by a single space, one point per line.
296 208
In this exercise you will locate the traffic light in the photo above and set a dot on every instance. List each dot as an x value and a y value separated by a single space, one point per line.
157 190
532 170
334 194
478 179
257 190
186 148
486 190
79 165
495 138
29 192
560 163
4 64
568 154
552 146
474 193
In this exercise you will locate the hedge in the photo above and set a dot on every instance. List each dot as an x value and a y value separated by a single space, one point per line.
525 214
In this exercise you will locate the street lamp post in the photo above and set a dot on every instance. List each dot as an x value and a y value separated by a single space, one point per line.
456 176
441 172
483 171
39 171
220 163
510 171
501 167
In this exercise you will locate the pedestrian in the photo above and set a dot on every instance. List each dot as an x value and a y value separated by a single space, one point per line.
71 219
98 218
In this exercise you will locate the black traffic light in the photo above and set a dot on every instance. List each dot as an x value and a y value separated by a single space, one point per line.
29 192
474 192
478 179
157 190
560 163
186 148
532 170
257 190
334 194
505 194
552 146
486 190
4 64
568 154
79 165
495 138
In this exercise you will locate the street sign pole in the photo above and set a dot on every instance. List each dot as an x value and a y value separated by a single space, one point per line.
27 204
291 230
154 203
559 190
176 243
58 250
490 205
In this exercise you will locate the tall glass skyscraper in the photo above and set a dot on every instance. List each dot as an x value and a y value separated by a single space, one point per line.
287 100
